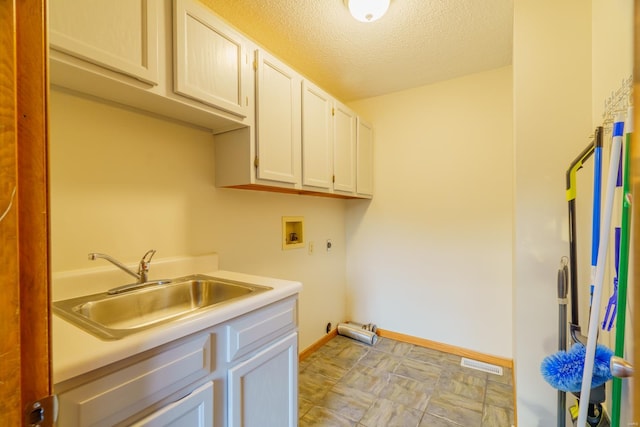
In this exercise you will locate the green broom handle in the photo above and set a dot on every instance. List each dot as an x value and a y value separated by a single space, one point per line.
623 273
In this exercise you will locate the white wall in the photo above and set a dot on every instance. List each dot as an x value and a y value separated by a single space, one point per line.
123 182
552 123
430 255
612 50
568 58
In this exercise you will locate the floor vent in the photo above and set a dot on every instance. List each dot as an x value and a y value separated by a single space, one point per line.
480 366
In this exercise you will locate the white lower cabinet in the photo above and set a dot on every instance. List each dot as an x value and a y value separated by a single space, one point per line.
242 372
118 392
263 389
195 409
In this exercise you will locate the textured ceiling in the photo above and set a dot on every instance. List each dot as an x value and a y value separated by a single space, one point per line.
417 42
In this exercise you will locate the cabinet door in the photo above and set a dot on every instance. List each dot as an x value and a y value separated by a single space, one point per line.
121 35
195 409
263 391
210 59
365 159
115 396
344 160
278 120
317 137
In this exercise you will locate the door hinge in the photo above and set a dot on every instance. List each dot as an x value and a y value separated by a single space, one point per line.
333 179
42 413
255 65
333 111
256 162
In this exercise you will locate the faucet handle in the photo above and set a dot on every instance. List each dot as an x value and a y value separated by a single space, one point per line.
150 253
143 267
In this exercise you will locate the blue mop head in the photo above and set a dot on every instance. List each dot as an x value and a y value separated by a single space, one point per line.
564 369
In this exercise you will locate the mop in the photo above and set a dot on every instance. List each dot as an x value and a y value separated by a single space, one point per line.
592 337
623 270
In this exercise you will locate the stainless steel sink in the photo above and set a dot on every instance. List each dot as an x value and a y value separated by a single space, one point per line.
114 316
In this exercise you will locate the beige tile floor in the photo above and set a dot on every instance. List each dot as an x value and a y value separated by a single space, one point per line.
348 383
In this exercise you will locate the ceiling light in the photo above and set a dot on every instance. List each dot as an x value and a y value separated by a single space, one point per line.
367 10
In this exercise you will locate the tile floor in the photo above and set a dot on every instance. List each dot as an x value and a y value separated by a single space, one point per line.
348 383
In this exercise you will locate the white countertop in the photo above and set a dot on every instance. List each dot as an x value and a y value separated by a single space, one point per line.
76 352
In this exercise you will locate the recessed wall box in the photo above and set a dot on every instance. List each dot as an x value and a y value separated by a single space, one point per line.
292 232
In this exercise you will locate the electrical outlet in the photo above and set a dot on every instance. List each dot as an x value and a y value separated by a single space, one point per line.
329 245
328 327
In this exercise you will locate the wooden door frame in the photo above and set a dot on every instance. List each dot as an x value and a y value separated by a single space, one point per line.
25 366
33 194
9 301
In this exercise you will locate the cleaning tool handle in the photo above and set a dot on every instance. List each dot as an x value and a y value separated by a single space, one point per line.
575 165
597 192
612 305
595 221
625 226
620 368
592 338
563 274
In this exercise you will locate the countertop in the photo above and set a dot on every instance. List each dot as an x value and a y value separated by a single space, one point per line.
76 352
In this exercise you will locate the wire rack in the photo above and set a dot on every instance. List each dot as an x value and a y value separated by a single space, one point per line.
617 102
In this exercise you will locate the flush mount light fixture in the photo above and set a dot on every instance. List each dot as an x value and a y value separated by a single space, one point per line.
367 10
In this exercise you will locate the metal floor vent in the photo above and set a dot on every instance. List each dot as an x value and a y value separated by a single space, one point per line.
480 366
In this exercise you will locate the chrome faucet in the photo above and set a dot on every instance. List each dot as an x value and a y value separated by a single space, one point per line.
143 265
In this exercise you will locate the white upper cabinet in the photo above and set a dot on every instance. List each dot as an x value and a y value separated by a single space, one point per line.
317 137
365 159
273 129
328 142
209 58
277 120
344 149
174 58
121 35
305 141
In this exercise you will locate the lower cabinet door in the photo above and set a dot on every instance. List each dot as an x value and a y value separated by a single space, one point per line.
194 410
263 390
